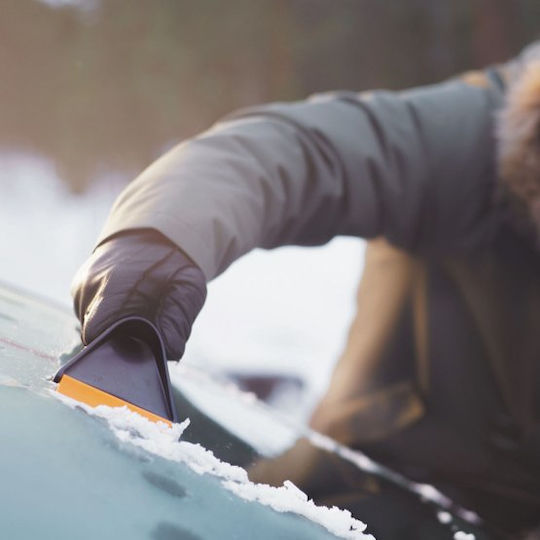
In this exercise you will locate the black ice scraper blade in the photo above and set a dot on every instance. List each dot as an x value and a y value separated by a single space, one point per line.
126 365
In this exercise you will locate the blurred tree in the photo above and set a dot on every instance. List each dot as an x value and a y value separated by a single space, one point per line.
109 85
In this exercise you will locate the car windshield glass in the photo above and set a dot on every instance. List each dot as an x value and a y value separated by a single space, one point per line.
104 476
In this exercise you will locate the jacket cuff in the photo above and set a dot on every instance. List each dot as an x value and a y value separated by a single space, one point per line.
185 236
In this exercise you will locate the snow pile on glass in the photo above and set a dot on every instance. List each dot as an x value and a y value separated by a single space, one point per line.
165 441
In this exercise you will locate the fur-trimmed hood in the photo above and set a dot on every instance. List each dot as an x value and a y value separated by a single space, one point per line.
518 139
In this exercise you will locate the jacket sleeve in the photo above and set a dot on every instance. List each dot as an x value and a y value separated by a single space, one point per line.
415 166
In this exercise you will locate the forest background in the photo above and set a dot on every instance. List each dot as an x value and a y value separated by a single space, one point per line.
106 86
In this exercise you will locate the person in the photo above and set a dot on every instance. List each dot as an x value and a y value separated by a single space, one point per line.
440 375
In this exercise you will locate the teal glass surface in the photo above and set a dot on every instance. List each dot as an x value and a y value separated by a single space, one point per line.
64 475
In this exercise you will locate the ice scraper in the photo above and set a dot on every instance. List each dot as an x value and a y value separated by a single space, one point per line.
125 366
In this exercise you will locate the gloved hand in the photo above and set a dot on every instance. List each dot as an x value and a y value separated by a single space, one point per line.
140 273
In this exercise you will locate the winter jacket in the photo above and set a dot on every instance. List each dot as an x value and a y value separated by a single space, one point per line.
442 358
446 173
416 167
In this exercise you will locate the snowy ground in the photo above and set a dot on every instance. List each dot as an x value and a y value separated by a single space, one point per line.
285 310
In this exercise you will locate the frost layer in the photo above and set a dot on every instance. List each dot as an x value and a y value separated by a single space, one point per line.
161 440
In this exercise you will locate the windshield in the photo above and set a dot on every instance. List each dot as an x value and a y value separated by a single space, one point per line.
103 475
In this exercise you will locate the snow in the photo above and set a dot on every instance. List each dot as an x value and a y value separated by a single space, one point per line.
5 380
83 5
47 232
444 517
460 535
288 498
164 441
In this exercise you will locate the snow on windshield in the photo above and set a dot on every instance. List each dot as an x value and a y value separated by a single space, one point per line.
164 441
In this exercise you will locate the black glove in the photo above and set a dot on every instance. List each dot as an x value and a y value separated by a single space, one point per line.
140 273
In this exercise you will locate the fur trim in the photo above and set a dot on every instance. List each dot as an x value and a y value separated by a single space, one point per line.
518 134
